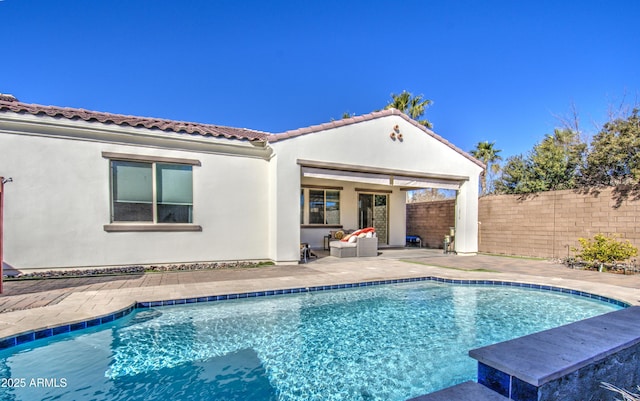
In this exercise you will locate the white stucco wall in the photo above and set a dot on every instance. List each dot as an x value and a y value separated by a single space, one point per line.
368 144
59 201
284 212
246 195
466 214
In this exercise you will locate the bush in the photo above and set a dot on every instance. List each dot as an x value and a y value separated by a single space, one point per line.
605 249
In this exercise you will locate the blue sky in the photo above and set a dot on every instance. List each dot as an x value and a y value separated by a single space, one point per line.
496 70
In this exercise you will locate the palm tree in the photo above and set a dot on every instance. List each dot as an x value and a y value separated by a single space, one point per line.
488 154
413 106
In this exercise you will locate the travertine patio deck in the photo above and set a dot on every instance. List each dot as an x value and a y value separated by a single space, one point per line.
30 305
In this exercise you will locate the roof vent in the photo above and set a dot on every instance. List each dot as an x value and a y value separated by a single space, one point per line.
5 97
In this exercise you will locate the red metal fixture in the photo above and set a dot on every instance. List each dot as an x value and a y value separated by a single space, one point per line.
1 229
2 182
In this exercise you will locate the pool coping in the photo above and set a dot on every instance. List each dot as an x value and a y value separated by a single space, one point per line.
46 332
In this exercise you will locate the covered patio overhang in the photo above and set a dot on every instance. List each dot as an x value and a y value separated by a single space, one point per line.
406 180
369 196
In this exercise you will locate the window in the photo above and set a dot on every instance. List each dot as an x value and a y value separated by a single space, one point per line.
324 206
151 191
175 193
132 191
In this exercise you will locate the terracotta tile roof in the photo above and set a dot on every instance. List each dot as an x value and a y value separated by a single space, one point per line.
366 117
10 103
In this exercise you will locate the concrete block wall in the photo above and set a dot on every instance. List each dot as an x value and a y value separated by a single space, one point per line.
431 221
547 224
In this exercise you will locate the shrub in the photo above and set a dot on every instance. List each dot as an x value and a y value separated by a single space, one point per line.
605 249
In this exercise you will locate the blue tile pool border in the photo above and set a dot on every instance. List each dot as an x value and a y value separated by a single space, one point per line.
19 339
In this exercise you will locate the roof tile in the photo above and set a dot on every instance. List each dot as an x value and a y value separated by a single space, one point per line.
9 103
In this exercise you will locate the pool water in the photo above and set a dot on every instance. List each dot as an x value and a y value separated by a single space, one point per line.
388 342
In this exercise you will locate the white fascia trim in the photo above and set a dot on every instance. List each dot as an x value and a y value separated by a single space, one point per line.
25 124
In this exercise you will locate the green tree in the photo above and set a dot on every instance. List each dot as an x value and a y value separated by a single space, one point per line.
413 106
516 176
488 154
430 195
554 163
557 160
614 158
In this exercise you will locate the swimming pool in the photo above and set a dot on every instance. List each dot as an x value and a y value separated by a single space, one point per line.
389 342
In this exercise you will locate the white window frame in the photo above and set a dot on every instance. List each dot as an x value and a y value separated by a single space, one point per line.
306 213
151 225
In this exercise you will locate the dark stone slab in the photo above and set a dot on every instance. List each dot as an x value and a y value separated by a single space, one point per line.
541 357
468 391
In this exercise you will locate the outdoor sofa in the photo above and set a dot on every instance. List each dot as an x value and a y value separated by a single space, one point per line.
362 243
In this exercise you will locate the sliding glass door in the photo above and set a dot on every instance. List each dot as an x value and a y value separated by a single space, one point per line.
373 212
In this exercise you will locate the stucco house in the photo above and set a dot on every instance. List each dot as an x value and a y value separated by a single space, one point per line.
100 189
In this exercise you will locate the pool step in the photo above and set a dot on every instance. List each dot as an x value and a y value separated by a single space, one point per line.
467 391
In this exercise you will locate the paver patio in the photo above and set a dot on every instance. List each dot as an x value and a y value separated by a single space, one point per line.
37 304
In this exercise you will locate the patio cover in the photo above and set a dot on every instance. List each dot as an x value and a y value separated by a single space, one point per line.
381 176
